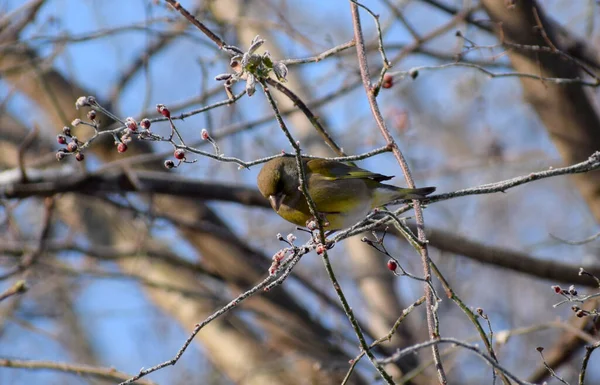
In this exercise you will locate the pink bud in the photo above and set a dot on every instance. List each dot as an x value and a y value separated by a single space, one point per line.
131 124
204 134
145 123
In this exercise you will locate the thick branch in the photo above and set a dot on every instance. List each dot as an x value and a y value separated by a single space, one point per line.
51 182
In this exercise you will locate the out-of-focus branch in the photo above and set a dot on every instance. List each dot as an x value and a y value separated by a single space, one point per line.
567 111
71 328
66 270
14 22
108 253
51 182
177 29
510 259
18 287
30 258
439 31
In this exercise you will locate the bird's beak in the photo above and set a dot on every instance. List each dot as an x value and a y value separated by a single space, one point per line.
276 200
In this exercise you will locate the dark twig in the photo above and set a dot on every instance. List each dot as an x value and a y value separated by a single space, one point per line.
192 19
586 358
308 113
549 368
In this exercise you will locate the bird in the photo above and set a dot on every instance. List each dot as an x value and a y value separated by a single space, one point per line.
343 194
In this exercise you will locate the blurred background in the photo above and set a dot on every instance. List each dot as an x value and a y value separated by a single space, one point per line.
119 279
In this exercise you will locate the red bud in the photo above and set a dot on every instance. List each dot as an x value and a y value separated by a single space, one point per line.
179 154
392 265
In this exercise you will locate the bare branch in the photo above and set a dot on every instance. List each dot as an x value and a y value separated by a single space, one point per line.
109 374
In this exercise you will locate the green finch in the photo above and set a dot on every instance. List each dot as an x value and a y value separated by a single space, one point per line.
343 194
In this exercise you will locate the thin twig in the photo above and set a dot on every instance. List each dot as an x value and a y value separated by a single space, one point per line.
576 243
432 322
586 358
109 374
308 113
415 71
412 349
383 339
591 164
232 304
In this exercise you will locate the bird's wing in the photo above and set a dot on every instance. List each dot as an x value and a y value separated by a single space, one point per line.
337 196
334 170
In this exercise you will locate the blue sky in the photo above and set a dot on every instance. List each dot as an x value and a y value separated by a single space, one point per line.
116 313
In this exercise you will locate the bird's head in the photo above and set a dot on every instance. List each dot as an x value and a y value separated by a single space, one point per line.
277 179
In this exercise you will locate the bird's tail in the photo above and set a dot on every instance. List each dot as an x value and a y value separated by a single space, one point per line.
388 193
414 193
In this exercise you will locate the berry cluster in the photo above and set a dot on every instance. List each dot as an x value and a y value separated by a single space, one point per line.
122 135
125 133
73 145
